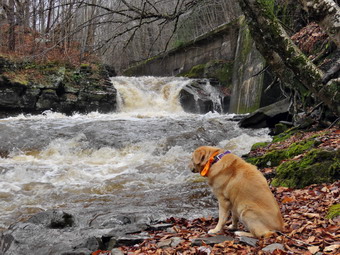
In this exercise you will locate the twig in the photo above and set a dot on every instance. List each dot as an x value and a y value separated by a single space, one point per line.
334 123
263 70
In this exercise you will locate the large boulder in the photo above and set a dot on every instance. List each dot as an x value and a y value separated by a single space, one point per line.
201 97
267 116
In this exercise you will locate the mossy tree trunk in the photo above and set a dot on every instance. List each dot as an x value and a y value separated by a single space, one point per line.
293 68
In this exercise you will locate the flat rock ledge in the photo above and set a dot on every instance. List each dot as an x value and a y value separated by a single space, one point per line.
59 232
62 90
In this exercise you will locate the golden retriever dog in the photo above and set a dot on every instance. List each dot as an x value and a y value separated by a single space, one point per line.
240 189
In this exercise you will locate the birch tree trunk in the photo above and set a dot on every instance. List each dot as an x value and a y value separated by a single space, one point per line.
287 61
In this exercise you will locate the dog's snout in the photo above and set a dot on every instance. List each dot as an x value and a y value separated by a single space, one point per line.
192 167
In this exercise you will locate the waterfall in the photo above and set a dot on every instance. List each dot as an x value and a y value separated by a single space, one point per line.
150 95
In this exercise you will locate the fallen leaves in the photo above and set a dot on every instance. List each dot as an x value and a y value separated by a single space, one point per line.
307 230
309 37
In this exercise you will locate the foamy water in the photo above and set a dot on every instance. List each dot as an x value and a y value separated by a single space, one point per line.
134 160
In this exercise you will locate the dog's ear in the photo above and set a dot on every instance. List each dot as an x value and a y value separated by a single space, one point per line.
199 156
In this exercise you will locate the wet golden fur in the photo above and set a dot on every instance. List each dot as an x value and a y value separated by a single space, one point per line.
242 191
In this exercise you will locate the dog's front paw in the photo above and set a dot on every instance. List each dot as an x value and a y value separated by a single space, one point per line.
232 227
213 231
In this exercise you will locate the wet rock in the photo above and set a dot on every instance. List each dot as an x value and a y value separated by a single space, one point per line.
267 116
53 219
172 242
77 252
211 240
92 243
108 70
160 226
117 251
130 240
248 240
5 242
59 234
57 88
48 100
197 98
175 241
164 244
273 247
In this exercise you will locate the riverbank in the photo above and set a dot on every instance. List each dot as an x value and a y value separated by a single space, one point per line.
30 87
311 227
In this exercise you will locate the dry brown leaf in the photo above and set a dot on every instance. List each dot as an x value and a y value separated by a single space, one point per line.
287 199
312 215
314 249
332 247
310 239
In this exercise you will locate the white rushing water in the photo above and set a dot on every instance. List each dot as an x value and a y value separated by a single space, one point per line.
134 160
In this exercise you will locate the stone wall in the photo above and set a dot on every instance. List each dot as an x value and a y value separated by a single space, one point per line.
226 55
219 44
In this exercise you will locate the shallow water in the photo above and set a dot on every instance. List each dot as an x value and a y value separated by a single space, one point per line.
134 161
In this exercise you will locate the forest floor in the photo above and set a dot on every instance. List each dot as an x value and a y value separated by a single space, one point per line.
308 230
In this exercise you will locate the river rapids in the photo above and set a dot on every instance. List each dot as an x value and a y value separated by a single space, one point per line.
133 161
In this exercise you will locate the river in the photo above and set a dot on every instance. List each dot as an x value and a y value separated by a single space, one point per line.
134 161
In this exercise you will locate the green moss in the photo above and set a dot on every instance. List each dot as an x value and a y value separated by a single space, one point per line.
246 42
259 145
284 136
220 70
274 158
334 211
195 72
178 43
280 128
318 166
268 7
300 147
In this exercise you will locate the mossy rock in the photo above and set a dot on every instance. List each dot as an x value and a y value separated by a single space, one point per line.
220 70
333 212
285 135
274 157
195 72
259 145
317 166
280 128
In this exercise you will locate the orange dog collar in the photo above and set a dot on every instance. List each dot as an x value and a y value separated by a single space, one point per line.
212 160
207 166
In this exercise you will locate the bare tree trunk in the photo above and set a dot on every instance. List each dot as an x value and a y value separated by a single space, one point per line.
49 15
34 15
327 14
11 21
289 63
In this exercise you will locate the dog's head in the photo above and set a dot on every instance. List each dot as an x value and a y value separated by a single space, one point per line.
200 157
